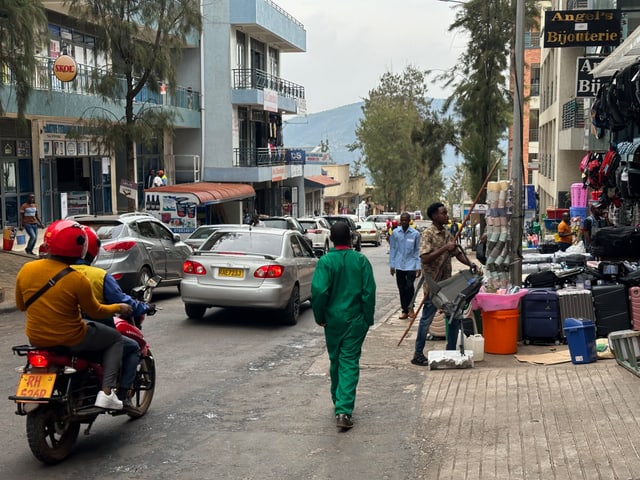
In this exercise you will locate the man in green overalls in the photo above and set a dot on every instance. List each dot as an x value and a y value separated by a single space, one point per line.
343 296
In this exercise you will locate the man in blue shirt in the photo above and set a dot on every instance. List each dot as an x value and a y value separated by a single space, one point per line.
404 262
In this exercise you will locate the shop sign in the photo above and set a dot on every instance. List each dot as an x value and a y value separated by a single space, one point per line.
65 68
278 173
270 100
586 84
128 189
581 28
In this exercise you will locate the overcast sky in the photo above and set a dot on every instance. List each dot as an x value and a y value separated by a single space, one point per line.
352 43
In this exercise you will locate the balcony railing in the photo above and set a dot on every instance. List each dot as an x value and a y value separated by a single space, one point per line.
534 89
263 157
573 114
255 79
532 40
83 85
533 134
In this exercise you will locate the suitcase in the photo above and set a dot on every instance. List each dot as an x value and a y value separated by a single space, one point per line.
634 307
612 311
544 279
540 313
616 242
576 303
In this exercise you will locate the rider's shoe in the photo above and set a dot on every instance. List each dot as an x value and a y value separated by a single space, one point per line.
108 402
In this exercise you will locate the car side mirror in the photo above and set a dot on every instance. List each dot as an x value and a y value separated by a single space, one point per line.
358 227
176 238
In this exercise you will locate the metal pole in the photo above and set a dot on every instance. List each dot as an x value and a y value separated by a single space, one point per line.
517 167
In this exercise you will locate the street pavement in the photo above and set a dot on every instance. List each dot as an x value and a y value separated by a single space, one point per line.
501 419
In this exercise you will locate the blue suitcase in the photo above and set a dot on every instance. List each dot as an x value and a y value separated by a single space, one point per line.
540 314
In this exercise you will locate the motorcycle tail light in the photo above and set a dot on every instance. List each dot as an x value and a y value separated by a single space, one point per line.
123 246
193 268
38 359
269 271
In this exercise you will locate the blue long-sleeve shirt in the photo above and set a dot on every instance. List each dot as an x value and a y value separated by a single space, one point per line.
404 249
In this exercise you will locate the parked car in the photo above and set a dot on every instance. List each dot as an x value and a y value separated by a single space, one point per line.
369 233
356 241
136 247
380 220
318 231
287 223
201 233
261 268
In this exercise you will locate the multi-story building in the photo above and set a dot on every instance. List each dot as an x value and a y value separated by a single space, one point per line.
564 132
228 127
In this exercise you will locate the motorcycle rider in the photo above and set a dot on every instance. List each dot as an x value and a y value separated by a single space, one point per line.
54 318
106 290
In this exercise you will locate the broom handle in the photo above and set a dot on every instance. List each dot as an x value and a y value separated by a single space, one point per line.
455 238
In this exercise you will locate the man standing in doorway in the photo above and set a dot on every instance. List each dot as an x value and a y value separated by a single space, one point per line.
404 262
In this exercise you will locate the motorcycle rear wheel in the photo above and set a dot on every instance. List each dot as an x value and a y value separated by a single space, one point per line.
143 387
50 438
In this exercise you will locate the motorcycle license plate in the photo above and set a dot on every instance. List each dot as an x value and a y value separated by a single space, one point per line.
231 272
36 385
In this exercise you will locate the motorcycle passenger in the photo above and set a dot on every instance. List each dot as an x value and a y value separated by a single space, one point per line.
54 318
106 290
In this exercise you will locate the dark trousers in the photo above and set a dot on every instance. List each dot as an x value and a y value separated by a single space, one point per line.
405 281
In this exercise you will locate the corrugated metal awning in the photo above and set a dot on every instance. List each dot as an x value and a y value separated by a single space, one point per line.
209 192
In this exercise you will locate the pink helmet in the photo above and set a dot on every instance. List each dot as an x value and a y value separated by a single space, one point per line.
66 238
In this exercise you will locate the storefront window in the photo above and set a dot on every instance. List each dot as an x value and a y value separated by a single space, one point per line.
9 180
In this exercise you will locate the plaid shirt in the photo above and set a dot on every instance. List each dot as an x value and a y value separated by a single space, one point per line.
432 239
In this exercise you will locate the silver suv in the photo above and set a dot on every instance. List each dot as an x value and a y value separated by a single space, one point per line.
135 247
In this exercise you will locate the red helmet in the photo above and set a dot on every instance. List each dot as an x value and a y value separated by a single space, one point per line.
394 223
93 243
65 238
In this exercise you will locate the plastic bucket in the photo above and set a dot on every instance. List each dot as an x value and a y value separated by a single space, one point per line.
8 236
578 195
500 330
21 239
581 337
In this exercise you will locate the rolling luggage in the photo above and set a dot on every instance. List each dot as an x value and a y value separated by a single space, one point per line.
612 311
576 303
634 307
540 311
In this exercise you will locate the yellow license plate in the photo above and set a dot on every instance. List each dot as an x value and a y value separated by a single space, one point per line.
231 272
36 385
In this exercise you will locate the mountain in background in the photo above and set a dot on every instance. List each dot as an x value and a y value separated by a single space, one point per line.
337 127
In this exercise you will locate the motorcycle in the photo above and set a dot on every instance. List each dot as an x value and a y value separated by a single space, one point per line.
57 389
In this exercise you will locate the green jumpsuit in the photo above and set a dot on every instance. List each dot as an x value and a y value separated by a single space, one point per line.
343 297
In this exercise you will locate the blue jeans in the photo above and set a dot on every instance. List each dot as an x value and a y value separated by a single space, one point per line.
428 312
32 231
130 360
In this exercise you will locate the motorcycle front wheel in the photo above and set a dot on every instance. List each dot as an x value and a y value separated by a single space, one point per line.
143 387
50 437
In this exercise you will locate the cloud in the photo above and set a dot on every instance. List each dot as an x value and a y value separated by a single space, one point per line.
352 43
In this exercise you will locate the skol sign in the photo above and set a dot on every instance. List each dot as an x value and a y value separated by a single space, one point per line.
65 68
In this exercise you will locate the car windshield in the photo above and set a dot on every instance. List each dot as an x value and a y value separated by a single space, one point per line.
276 223
244 242
106 231
308 223
333 220
201 233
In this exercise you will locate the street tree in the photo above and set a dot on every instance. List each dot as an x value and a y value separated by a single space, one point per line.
481 97
23 29
143 41
403 159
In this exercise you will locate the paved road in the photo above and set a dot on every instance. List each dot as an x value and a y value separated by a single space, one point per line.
241 397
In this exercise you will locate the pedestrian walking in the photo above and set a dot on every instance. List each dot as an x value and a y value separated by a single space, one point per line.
437 246
30 221
343 297
404 262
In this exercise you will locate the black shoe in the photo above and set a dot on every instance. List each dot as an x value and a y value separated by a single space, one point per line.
127 405
343 421
420 359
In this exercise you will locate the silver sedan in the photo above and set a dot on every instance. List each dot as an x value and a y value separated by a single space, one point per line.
264 268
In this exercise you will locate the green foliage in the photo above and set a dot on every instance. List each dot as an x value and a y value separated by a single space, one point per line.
481 95
402 141
23 29
143 39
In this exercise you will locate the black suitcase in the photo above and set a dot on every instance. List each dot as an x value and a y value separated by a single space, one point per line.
611 307
616 242
540 312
